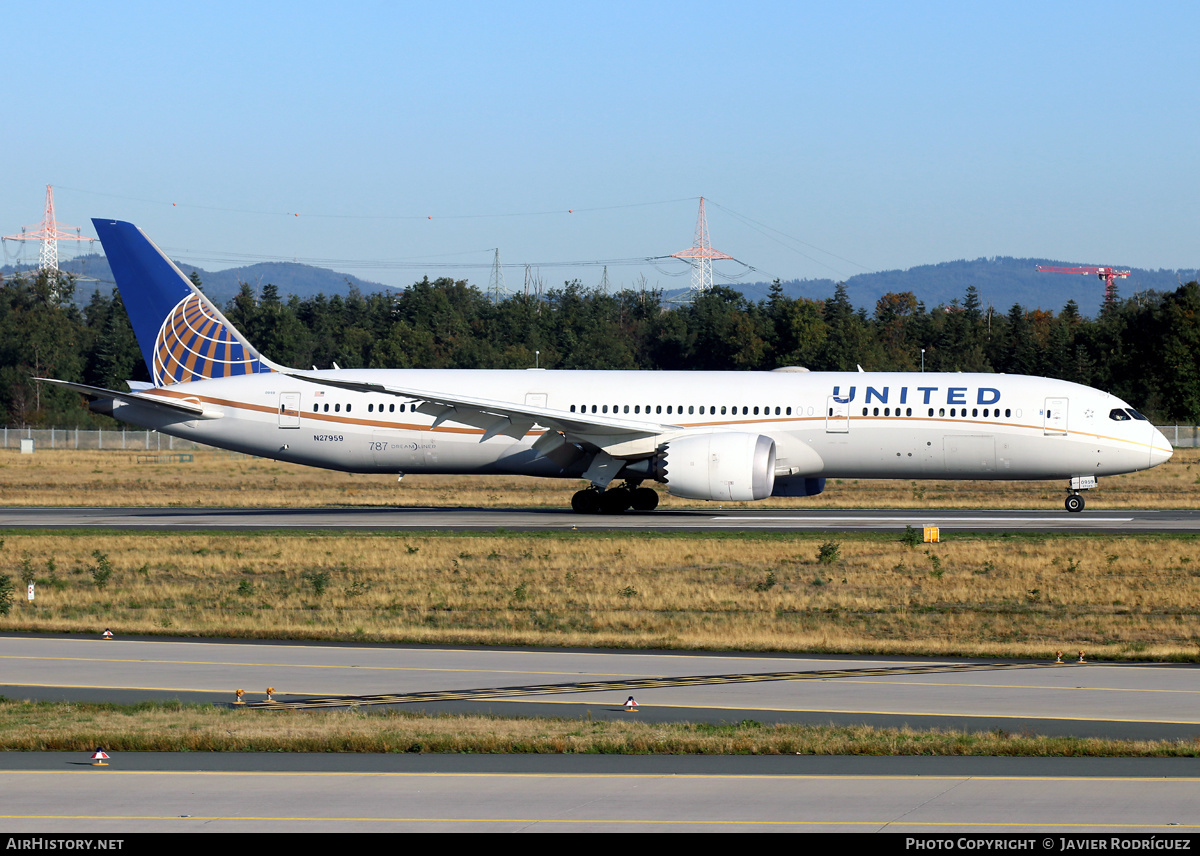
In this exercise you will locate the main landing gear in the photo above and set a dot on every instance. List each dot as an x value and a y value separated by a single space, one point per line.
1074 502
617 500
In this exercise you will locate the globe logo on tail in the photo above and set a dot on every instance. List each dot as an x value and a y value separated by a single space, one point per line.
195 344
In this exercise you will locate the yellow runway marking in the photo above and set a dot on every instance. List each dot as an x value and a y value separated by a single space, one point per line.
703 777
314 666
1014 687
479 652
942 713
882 825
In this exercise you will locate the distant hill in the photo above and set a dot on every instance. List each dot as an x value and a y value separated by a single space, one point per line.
304 281
1001 280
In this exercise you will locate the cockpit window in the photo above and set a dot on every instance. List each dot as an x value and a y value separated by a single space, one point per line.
1135 414
1118 415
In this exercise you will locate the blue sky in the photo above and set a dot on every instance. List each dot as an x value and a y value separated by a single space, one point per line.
869 136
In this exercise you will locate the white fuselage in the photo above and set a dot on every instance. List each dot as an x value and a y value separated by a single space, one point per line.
824 424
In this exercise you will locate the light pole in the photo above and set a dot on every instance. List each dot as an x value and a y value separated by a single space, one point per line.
922 359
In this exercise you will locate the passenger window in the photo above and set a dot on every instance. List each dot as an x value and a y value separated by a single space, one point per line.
691 409
942 411
392 408
876 411
864 411
316 407
974 411
722 409
908 412
789 411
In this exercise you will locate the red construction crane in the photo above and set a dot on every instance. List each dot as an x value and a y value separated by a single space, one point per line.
1107 274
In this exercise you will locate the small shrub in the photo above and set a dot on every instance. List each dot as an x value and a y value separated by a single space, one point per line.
521 592
245 588
317 580
767 584
628 591
102 570
829 552
936 561
911 537
7 593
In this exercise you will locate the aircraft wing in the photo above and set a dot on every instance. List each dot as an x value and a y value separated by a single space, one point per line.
171 405
619 437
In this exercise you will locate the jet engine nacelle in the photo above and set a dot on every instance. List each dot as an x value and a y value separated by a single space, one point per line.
724 466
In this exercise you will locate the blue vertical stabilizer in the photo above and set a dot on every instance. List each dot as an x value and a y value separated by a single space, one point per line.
183 337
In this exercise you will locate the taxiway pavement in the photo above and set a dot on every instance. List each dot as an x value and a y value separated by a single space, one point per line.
714 519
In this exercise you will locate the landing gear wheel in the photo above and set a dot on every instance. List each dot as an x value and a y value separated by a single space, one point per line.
586 501
615 501
1074 503
644 499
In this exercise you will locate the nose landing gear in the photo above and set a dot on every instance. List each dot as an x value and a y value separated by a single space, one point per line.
1074 498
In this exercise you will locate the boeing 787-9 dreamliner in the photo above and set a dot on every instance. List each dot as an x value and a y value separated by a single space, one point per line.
724 436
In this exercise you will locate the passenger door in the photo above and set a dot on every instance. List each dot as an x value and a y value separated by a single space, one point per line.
289 410
1055 420
837 416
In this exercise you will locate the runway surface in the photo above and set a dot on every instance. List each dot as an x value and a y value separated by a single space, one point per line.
235 792
712 519
402 793
1116 700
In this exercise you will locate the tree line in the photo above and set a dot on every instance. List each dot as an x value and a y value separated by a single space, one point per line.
1145 350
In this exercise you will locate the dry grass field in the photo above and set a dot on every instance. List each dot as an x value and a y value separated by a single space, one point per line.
1015 596
1113 596
26 727
93 478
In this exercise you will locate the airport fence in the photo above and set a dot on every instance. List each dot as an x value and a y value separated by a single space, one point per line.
141 440
131 439
1181 436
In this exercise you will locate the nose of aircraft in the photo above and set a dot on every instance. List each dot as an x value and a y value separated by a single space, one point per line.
1160 447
